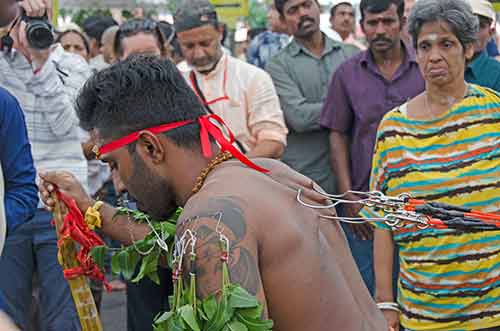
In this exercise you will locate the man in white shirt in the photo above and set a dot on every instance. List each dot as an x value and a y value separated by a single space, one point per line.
242 94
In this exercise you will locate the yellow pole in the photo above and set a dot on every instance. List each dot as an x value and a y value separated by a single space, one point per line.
55 12
80 290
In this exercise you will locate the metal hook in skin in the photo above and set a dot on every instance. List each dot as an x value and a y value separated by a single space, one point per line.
302 202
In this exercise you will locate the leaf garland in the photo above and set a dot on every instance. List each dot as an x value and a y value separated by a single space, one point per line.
233 309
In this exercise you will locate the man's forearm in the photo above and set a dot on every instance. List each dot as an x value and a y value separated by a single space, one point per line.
121 227
340 160
383 254
267 148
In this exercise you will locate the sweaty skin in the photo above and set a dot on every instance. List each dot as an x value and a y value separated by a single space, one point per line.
297 263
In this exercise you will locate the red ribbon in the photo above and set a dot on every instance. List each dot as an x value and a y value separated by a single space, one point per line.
75 227
207 129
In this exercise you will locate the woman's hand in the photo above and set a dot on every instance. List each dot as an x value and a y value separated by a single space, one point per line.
392 318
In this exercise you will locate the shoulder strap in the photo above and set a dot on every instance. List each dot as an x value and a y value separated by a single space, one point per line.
196 87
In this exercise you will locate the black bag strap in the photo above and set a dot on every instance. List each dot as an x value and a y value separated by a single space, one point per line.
196 87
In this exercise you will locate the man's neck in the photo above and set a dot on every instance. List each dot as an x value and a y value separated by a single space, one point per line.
206 72
391 56
190 164
344 35
315 44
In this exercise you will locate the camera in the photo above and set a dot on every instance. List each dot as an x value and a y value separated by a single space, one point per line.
39 31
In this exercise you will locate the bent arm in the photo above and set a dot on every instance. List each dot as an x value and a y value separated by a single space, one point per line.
267 148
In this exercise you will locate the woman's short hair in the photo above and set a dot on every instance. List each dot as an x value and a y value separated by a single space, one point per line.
456 13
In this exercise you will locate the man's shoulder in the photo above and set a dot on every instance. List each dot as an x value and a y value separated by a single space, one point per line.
247 70
351 63
9 106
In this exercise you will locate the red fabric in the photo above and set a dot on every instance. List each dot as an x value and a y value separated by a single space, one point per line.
74 227
207 129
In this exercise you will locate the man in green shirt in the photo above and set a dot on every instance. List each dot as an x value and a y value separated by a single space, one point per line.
483 69
301 73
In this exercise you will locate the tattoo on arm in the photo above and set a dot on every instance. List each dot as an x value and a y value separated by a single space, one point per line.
243 256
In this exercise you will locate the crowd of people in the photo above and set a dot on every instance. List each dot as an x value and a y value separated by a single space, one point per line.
412 106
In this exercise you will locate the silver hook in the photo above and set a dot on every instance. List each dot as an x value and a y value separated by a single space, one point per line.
302 202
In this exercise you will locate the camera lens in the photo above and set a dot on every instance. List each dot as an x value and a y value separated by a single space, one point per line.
39 34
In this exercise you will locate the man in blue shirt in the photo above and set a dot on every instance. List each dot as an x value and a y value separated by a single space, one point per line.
20 197
483 69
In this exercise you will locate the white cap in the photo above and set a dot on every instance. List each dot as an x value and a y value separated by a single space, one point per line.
483 8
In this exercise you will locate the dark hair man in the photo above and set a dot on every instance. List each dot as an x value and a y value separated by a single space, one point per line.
342 18
242 94
301 73
483 70
362 91
276 243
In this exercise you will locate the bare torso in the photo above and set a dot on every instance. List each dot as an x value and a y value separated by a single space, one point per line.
308 277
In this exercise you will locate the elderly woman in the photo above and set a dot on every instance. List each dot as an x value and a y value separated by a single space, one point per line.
443 145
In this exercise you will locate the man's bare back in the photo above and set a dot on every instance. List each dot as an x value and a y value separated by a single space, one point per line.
297 263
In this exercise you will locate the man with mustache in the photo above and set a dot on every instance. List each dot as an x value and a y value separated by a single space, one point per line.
301 73
242 94
362 91
342 21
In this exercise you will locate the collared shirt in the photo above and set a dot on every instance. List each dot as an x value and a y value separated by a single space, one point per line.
47 99
253 111
301 79
20 191
264 46
484 71
358 98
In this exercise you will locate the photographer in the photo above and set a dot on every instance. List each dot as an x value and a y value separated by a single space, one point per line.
44 78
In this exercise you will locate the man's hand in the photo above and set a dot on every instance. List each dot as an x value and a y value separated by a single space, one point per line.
67 184
361 231
33 8
392 318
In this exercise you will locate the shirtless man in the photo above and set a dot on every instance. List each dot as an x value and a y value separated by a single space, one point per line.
297 264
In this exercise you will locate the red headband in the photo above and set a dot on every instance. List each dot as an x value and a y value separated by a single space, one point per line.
207 127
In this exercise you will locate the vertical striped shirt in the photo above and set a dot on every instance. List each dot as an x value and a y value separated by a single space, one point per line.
449 279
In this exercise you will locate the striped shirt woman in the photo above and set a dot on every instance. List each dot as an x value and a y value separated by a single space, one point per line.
448 280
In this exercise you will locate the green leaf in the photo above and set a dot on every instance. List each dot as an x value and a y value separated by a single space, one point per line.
252 313
164 317
188 316
149 265
237 326
98 254
240 298
255 324
125 262
210 306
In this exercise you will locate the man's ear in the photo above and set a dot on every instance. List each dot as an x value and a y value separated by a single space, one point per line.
150 147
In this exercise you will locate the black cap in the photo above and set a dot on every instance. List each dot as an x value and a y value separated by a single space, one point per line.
194 13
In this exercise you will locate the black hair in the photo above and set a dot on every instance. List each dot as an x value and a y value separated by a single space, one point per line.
378 6
280 5
85 41
94 26
333 10
138 93
135 26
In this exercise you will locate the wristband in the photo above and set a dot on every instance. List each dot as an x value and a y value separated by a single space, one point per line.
388 306
93 217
